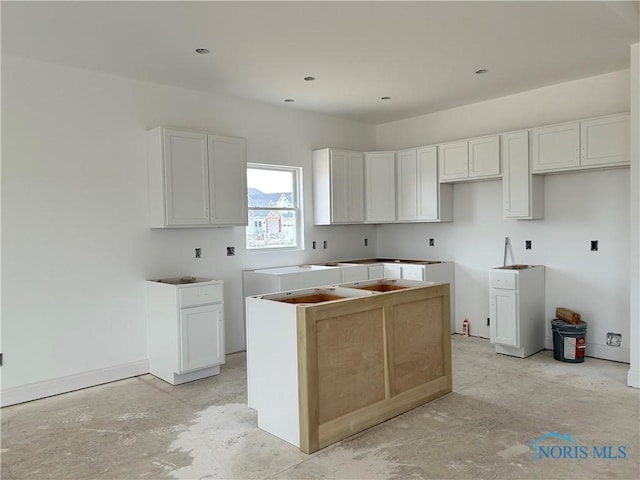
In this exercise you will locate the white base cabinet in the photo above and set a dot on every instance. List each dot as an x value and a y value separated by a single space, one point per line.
185 328
517 310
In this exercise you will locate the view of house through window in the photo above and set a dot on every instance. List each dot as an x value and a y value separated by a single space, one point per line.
274 209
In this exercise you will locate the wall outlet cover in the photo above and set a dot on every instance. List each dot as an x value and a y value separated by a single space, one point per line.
614 339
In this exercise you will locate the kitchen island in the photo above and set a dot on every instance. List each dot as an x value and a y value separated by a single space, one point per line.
325 363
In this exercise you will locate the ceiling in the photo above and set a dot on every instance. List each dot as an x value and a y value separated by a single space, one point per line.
423 55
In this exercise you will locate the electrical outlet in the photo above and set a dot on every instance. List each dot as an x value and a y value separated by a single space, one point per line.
614 339
325 244
594 245
231 251
432 242
527 244
313 244
366 242
198 252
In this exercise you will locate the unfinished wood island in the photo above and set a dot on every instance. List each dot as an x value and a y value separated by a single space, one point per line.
325 363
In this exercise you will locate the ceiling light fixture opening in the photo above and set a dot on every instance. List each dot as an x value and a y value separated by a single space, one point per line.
202 51
309 79
289 100
482 71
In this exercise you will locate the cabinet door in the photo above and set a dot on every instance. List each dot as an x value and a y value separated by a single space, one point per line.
376 272
484 157
227 180
355 187
428 185
413 272
516 176
503 326
201 337
186 178
380 193
392 271
605 141
453 160
339 181
556 147
407 184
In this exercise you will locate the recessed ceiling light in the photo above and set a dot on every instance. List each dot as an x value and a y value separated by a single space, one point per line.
202 51
385 98
481 71
309 79
289 100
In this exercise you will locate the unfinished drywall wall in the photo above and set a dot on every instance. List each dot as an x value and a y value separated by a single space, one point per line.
579 207
76 248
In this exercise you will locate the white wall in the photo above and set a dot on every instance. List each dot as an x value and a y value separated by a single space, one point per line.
580 207
76 250
633 377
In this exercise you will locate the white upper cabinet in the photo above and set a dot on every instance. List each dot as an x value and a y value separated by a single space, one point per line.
484 157
380 181
591 143
195 179
338 186
556 147
227 180
523 193
472 159
420 196
605 141
454 161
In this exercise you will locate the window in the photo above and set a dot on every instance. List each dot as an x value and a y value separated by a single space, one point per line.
275 216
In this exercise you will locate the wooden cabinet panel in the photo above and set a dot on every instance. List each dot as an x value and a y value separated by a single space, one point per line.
350 363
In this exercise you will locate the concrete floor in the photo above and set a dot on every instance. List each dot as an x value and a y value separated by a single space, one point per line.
144 428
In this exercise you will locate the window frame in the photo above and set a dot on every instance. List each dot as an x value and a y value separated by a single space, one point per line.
296 208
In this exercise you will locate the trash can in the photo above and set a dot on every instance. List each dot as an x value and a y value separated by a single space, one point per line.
569 340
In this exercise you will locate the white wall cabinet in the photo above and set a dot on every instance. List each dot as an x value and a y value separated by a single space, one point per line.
420 197
196 179
338 186
605 141
380 181
517 310
454 161
522 192
591 143
473 159
186 329
484 157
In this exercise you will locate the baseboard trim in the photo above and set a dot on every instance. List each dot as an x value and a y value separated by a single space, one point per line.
47 388
597 350
633 378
